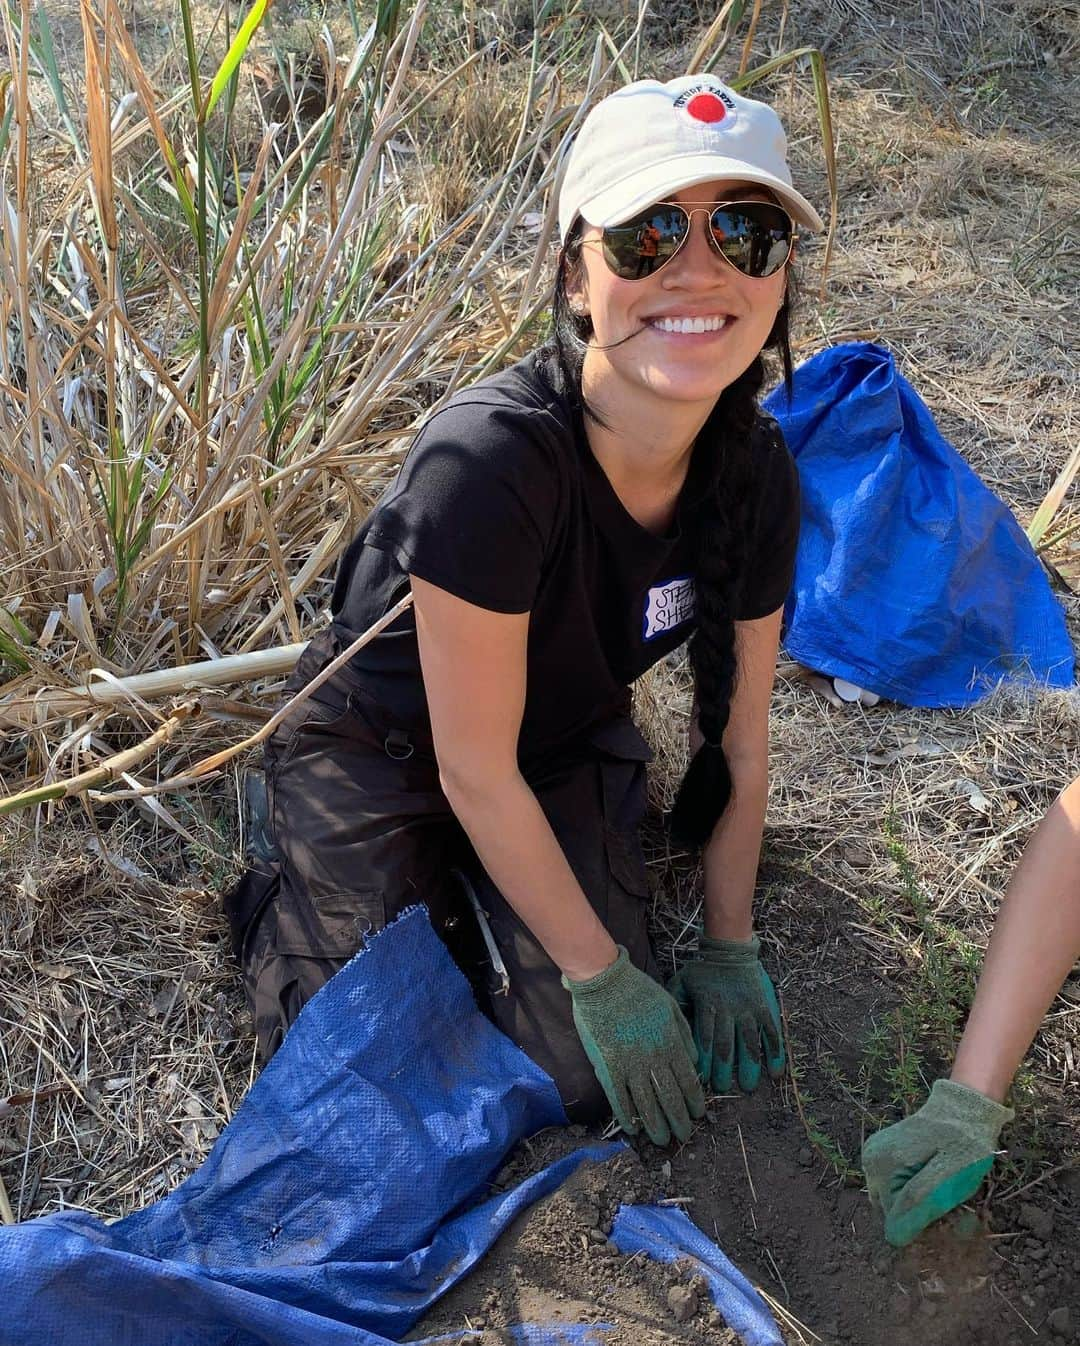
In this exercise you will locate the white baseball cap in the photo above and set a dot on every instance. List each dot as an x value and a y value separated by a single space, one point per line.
648 140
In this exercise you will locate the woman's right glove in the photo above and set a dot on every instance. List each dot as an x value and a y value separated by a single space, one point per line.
641 1048
923 1167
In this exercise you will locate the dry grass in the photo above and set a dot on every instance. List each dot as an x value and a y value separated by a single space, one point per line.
121 1007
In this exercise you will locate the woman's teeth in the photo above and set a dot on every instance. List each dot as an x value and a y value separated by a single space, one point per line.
690 324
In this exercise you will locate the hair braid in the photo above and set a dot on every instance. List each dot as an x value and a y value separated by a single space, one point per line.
722 521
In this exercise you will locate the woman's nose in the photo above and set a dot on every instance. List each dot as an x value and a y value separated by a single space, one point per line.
697 260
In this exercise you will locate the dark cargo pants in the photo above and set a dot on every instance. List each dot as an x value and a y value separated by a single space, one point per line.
363 830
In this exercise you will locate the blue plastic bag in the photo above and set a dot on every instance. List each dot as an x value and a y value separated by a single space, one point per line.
912 579
348 1193
344 1197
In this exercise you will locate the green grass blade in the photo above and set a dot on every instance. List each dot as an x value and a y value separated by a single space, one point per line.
722 28
45 51
237 48
194 82
14 636
8 106
1044 515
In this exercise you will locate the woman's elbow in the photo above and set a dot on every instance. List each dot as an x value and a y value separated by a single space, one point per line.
471 783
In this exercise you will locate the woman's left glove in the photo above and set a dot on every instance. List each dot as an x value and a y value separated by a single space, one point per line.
731 1004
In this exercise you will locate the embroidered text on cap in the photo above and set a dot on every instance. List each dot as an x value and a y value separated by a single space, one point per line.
705 103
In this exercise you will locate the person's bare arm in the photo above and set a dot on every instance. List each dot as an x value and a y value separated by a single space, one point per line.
1036 941
732 854
473 663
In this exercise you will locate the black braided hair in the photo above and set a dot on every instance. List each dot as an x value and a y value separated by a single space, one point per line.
721 517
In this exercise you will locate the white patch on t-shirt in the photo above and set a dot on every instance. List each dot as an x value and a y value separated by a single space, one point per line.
669 605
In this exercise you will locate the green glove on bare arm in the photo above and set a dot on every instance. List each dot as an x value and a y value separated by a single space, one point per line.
641 1049
923 1167
728 997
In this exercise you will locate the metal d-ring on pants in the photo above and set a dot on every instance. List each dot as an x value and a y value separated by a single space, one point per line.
363 830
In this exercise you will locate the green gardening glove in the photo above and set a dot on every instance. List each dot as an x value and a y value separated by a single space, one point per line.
729 999
641 1049
921 1168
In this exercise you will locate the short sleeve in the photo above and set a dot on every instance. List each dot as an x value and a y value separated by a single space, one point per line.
474 507
770 556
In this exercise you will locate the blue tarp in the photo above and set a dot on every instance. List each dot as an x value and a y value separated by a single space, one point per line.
347 1194
912 579
329 1211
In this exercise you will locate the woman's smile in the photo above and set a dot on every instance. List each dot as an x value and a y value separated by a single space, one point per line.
690 325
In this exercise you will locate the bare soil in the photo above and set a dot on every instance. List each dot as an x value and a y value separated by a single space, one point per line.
1003 1271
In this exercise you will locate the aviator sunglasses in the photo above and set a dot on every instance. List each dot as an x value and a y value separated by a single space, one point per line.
755 237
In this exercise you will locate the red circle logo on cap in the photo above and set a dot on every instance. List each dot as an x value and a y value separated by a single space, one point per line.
706 107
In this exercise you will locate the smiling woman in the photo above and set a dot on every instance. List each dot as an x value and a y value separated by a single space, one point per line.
562 526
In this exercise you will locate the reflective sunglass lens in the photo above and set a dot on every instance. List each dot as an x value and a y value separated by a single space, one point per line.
642 245
754 238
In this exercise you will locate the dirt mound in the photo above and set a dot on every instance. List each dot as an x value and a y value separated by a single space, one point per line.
557 1264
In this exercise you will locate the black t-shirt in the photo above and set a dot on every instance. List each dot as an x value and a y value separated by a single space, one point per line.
501 502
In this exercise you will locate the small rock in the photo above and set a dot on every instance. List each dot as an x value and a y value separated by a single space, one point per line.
597 1236
806 1156
683 1303
715 1318
1060 1321
830 1268
933 1286
1039 1221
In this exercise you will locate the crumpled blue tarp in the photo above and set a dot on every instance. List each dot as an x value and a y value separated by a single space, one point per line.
337 1205
666 1235
912 579
346 1195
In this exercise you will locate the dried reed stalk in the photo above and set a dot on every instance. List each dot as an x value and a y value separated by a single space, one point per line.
106 770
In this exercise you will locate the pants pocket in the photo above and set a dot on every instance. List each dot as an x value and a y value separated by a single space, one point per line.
328 925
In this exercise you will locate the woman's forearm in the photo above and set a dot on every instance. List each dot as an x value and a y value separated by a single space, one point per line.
517 847
732 854
1035 943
